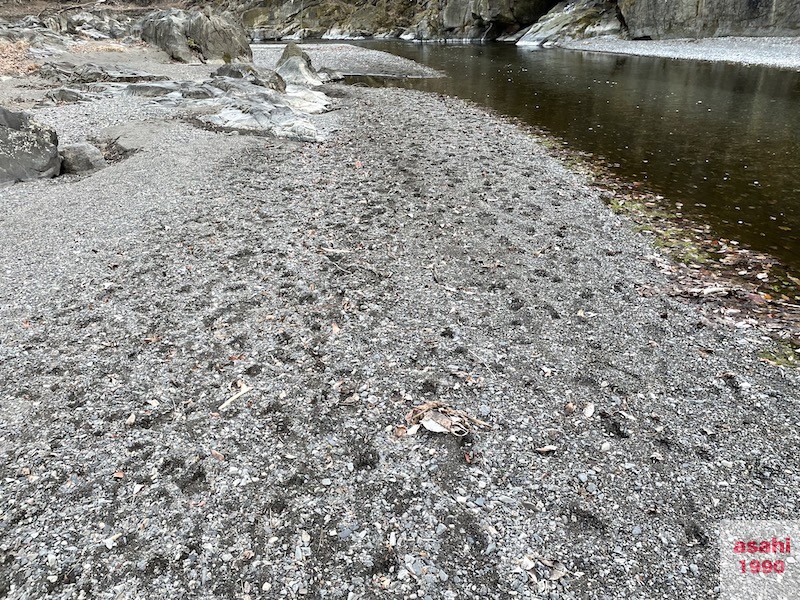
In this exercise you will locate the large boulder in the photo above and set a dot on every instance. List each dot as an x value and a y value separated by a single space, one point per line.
196 35
294 66
575 20
28 150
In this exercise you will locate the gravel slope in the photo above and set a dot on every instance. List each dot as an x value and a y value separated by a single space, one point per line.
783 53
427 251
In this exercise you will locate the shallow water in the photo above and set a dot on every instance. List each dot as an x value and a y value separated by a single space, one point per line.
721 141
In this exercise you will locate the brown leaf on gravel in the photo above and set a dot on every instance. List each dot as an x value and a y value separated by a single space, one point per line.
218 455
440 418
118 475
546 449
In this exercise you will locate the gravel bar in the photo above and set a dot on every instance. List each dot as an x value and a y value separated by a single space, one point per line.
779 52
349 60
208 351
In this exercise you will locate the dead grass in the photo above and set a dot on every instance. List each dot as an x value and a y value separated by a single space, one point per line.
89 48
15 60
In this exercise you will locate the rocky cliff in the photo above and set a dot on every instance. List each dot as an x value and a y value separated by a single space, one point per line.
707 18
508 19
423 19
535 21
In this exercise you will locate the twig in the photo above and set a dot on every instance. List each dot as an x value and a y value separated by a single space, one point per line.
242 391
481 362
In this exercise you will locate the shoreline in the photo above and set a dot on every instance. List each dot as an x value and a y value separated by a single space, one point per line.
775 52
209 349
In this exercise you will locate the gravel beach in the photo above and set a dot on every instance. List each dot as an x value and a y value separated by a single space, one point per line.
208 351
779 52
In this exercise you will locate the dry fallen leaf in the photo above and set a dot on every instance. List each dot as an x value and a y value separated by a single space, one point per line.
118 475
130 420
217 455
547 449
437 422
440 418
569 408
557 571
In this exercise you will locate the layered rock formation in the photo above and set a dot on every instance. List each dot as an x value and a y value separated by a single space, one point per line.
426 19
204 35
575 20
658 19
506 19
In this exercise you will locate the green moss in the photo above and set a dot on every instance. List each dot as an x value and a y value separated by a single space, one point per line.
782 354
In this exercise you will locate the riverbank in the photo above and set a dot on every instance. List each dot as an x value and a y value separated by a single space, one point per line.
778 52
209 350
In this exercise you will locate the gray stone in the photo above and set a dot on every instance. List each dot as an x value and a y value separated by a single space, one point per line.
91 73
66 94
28 150
153 89
262 77
81 158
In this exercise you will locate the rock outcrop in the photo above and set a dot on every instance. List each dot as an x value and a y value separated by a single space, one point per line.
28 150
96 25
66 72
426 19
658 19
294 67
504 19
256 76
193 35
575 20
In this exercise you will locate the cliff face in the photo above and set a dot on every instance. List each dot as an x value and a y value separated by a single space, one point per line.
421 19
659 19
484 19
492 19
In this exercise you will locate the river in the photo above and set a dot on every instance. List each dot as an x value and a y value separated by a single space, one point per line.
721 142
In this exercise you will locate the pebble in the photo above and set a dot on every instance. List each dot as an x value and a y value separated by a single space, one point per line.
583 477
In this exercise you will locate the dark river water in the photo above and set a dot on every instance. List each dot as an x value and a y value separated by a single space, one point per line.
722 140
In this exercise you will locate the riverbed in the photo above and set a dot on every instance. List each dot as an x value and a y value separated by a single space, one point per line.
719 141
